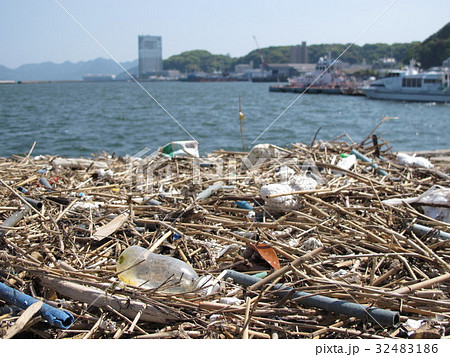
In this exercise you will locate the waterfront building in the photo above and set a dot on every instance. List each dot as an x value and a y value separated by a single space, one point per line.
150 55
243 68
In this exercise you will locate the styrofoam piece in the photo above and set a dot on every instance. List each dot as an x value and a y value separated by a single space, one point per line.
287 202
302 183
259 154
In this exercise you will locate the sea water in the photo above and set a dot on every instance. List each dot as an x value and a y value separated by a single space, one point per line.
80 118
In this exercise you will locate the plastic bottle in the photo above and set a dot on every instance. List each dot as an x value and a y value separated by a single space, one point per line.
169 274
346 162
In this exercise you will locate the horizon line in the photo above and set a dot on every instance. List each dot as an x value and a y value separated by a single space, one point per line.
214 54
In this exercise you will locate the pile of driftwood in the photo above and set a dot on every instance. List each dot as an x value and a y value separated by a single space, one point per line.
299 245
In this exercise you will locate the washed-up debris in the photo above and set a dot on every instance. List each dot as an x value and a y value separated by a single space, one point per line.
435 202
312 243
259 154
415 161
181 149
328 240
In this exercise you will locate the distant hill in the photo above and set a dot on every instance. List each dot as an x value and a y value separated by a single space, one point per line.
434 50
6 73
49 71
198 60
429 53
355 54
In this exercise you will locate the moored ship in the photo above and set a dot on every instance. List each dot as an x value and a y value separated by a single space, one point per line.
412 85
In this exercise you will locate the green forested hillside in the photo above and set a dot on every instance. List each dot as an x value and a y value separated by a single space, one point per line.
434 50
198 60
430 52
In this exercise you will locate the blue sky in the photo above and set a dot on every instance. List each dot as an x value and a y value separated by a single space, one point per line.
35 31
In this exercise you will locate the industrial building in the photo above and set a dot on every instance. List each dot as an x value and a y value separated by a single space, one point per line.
299 54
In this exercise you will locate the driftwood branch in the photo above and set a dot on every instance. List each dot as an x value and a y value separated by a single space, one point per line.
99 298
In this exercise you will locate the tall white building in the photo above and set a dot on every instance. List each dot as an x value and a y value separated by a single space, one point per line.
150 55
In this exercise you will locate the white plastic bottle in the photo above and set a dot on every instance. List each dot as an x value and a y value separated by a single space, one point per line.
150 270
346 162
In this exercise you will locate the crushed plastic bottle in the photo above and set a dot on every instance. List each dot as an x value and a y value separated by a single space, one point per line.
187 148
434 202
169 274
414 161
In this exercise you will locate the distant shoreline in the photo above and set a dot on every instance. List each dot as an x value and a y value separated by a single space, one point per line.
5 82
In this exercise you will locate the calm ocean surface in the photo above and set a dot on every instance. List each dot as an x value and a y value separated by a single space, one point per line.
81 118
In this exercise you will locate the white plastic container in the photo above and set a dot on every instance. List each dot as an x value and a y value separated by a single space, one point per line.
187 148
170 274
347 162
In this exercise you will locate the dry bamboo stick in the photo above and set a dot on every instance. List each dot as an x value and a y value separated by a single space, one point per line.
23 320
423 284
160 241
94 328
386 275
99 298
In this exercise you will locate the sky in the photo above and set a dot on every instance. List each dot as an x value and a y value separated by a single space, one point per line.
35 31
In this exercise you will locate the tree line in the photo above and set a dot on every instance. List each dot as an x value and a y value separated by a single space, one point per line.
429 53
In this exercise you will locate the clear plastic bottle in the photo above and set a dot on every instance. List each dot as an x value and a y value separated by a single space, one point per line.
170 274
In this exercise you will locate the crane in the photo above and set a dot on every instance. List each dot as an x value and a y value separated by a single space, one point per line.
263 61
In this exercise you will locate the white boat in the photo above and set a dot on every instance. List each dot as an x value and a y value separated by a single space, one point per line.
326 74
412 85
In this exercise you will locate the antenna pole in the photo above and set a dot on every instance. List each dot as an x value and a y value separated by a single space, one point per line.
241 119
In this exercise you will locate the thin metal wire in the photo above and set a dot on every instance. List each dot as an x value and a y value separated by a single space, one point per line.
326 69
134 79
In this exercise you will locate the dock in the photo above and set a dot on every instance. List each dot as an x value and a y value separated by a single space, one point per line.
316 90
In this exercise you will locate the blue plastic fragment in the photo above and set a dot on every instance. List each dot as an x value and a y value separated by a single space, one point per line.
244 205
53 316
176 236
